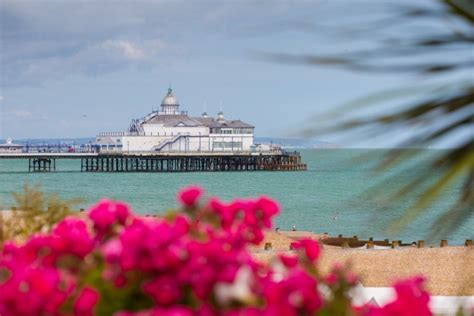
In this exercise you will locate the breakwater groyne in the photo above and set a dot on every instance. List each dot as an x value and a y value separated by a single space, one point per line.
169 162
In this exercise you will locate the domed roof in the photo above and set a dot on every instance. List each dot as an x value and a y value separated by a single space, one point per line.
169 98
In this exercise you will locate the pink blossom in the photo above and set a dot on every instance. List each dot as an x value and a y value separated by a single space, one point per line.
246 311
173 311
289 261
225 213
86 302
107 213
190 195
164 290
71 236
268 208
293 295
332 278
411 299
311 248
39 287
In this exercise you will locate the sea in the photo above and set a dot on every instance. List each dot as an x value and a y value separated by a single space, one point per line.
342 192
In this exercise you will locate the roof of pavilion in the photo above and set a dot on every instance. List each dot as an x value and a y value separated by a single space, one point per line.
184 120
212 122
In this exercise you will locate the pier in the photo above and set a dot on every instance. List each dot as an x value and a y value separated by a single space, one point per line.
169 162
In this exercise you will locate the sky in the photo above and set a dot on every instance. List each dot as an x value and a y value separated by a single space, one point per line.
77 68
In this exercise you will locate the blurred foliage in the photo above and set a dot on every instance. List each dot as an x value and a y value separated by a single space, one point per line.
439 51
33 212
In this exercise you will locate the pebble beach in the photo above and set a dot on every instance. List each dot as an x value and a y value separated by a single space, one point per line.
448 270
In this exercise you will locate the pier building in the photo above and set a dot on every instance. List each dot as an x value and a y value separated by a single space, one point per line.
10 147
168 129
166 140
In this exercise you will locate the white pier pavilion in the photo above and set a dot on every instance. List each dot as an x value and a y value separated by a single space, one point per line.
171 130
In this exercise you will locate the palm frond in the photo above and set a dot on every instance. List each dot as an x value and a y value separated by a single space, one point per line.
434 112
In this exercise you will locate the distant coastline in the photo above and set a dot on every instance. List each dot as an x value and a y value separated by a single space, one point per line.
294 143
289 143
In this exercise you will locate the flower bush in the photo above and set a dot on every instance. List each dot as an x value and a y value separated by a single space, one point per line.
195 262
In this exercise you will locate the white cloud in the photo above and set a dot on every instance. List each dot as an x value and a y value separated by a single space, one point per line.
21 113
92 58
1 98
52 40
127 49
132 51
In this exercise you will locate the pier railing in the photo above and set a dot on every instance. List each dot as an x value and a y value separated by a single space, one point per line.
177 152
119 134
57 148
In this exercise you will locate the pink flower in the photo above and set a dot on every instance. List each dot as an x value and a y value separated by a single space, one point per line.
226 213
72 237
86 302
164 290
289 261
268 208
159 311
102 214
112 250
190 195
30 290
173 311
295 295
411 300
246 311
107 213
311 248
332 278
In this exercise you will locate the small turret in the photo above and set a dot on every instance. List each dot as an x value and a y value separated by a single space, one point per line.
220 116
170 104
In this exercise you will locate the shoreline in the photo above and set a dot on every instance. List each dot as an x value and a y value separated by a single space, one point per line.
446 268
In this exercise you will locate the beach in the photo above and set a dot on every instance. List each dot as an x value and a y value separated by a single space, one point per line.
448 270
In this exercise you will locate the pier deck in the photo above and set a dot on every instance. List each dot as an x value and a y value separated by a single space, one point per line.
165 162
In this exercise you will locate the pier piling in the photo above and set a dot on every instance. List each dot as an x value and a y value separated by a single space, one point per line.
192 163
41 164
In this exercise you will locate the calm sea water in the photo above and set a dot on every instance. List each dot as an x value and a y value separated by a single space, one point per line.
330 197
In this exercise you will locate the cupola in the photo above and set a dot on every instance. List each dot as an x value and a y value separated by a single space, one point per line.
169 104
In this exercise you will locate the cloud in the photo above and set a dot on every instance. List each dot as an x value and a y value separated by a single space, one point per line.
132 51
125 48
1 98
44 40
19 113
53 40
91 58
